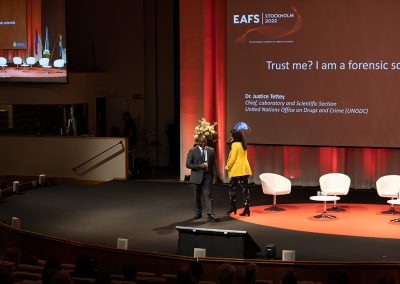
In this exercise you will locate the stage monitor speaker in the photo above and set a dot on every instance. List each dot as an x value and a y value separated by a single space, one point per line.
218 243
270 251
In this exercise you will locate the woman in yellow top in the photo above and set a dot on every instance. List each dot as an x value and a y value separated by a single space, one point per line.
238 169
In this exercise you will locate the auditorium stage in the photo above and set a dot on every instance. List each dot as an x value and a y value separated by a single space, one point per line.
146 213
34 74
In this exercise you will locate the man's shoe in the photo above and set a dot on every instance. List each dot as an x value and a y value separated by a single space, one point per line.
197 216
212 218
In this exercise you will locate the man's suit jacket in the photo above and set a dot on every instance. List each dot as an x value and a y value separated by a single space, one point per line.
194 160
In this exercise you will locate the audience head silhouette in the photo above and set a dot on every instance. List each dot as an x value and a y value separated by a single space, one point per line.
12 254
61 277
84 267
240 274
337 278
184 275
226 274
103 278
386 279
129 272
197 270
251 273
290 278
51 267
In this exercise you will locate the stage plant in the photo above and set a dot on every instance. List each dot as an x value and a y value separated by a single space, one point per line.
207 129
46 53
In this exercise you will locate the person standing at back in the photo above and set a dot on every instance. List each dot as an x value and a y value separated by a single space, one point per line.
239 170
130 132
201 161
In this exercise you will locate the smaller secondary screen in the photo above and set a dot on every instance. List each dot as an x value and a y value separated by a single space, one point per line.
33 41
13 24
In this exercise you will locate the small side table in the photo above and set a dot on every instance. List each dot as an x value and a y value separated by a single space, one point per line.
324 198
46 69
24 65
394 202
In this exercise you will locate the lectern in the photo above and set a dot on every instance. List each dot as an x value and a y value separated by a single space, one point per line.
218 243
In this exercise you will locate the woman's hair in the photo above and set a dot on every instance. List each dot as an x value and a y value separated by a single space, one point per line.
238 137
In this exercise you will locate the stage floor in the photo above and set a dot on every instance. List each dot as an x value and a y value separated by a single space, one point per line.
34 74
358 220
147 212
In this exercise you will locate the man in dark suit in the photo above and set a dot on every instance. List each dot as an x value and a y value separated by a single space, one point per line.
201 161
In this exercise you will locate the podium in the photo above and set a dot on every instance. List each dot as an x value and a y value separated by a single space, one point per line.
218 243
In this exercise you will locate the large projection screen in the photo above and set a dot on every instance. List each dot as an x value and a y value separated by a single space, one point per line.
323 73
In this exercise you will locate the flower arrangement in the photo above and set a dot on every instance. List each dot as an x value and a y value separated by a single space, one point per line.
207 129
46 53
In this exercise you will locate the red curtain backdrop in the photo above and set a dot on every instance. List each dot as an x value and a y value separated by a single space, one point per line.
214 72
203 94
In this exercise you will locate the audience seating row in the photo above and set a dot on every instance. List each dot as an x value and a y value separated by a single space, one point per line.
31 274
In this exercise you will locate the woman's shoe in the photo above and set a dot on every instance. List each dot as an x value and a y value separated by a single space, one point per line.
233 208
246 212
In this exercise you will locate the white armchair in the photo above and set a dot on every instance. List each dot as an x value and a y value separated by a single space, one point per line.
335 184
17 61
275 184
59 63
3 64
44 62
389 186
30 61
